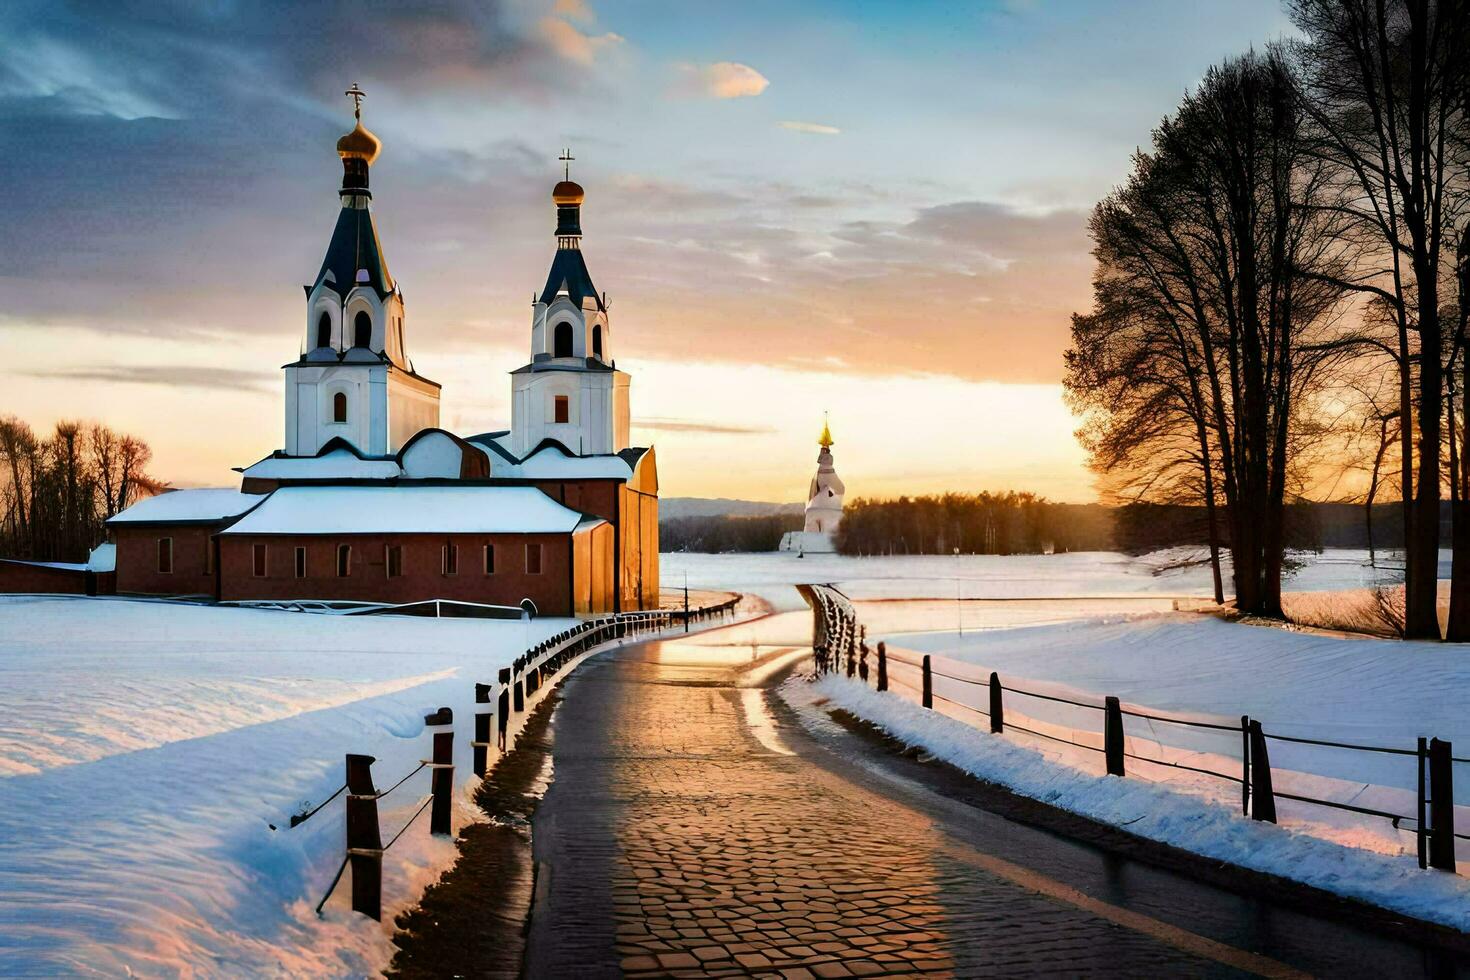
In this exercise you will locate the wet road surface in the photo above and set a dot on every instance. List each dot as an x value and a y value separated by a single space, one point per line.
694 827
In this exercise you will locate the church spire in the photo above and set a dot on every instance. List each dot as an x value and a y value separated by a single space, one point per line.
358 149
825 441
568 196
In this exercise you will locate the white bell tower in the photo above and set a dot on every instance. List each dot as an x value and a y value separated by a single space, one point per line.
570 390
354 380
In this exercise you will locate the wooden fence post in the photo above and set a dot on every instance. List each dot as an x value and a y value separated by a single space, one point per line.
1423 834
1441 806
518 694
1113 735
928 684
364 844
441 781
882 666
997 705
481 744
502 713
863 654
1245 762
1263 806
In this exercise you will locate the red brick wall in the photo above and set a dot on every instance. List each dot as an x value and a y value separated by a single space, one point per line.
596 497
137 560
19 576
422 576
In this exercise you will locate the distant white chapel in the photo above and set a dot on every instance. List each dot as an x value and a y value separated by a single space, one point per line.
823 505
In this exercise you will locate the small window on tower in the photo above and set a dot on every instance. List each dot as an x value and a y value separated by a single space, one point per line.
533 559
300 562
339 407
562 340
362 330
324 331
394 560
489 559
344 560
450 559
165 556
257 555
563 406
597 341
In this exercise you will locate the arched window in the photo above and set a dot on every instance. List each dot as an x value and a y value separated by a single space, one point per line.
324 331
597 340
339 407
562 340
362 330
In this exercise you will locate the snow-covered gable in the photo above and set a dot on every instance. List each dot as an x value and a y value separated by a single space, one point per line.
408 510
436 454
552 464
338 464
206 506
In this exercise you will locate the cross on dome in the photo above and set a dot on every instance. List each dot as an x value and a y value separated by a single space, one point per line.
356 95
566 158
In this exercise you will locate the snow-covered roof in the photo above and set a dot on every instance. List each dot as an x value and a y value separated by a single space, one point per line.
103 558
437 509
552 464
188 507
339 464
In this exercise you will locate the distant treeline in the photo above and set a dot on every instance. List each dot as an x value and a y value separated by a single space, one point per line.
725 533
978 523
1023 523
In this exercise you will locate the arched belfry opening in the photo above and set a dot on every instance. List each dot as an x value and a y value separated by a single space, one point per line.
362 330
339 407
562 340
324 330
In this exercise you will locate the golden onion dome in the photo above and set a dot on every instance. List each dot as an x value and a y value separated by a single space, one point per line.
360 144
567 192
825 441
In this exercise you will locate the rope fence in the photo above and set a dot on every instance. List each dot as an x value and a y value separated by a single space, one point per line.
514 686
839 644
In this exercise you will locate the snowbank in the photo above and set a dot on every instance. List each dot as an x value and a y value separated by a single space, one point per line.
146 748
1153 810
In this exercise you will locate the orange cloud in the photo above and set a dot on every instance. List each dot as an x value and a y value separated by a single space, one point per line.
721 80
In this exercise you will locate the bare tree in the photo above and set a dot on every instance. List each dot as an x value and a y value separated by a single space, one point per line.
1384 83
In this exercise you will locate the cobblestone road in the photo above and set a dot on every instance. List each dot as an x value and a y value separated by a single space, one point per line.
679 838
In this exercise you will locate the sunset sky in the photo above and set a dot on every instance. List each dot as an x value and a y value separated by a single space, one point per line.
871 208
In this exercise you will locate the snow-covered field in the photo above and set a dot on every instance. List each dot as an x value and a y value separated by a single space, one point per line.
146 748
1096 575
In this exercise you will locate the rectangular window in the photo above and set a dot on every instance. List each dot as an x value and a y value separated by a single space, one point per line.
449 560
165 556
533 559
563 408
489 559
344 560
394 558
257 555
301 562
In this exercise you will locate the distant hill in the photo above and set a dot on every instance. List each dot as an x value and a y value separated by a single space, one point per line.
673 508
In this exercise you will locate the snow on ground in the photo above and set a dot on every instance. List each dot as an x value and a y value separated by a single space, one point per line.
1098 574
147 747
1152 810
1356 690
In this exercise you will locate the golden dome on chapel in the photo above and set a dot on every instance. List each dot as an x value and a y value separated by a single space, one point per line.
567 192
359 144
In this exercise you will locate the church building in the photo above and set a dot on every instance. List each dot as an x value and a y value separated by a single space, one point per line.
823 505
370 501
